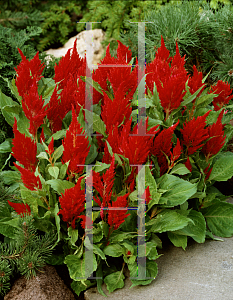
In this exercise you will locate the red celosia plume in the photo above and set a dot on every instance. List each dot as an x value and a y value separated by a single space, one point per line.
72 203
194 133
76 146
20 208
24 149
216 138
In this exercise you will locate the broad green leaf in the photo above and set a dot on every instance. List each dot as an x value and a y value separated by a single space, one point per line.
43 155
223 168
80 269
177 239
57 135
109 148
92 154
150 181
63 170
53 171
6 146
178 190
97 234
180 169
100 166
60 185
99 279
94 84
151 273
73 234
219 218
4 102
119 237
58 153
7 230
167 220
79 286
31 198
114 250
114 281
196 230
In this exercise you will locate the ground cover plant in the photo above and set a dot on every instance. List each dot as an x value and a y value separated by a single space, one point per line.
58 164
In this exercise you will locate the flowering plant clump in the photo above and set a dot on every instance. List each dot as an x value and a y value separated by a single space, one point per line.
181 156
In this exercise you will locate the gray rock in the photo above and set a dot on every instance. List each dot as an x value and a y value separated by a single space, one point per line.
45 286
87 40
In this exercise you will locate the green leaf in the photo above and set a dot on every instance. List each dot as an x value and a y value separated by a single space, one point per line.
167 220
114 281
4 102
6 146
7 230
151 273
180 169
114 250
57 136
80 269
43 155
92 154
150 181
73 234
196 230
58 153
119 237
219 218
178 190
223 168
60 185
79 286
100 166
53 171
177 239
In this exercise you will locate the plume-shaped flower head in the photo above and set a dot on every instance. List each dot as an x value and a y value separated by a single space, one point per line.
24 149
194 133
216 138
225 94
72 203
75 146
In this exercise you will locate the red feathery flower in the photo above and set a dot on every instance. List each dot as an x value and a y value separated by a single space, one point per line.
42 137
20 208
24 149
27 71
195 82
115 216
217 138
224 91
104 188
72 203
162 145
75 146
176 153
50 147
170 81
33 107
114 112
29 179
194 133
